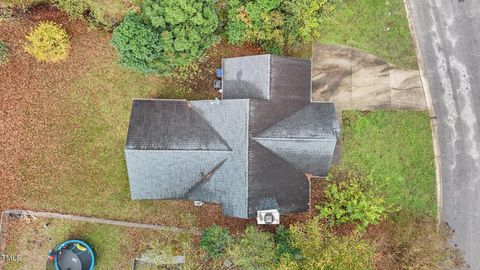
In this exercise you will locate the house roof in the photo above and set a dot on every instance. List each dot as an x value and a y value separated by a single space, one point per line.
249 151
240 82
170 125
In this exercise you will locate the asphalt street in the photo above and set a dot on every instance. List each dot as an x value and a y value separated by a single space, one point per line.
448 32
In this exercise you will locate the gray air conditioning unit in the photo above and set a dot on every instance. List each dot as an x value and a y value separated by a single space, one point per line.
268 217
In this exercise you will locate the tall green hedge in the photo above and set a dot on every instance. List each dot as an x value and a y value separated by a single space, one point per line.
165 34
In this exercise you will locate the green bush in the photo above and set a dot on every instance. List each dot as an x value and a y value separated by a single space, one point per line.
98 14
321 249
352 199
254 250
74 8
259 21
285 247
215 240
304 20
138 44
274 24
3 53
48 42
165 35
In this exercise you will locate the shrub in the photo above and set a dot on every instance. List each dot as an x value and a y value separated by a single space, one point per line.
321 249
304 19
74 8
416 244
138 45
3 53
259 21
96 12
48 42
165 35
215 240
254 250
274 24
285 247
352 200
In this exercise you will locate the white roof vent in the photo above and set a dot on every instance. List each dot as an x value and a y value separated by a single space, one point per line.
268 217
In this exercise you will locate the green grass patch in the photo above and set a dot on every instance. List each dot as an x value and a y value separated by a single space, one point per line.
397 148
378 27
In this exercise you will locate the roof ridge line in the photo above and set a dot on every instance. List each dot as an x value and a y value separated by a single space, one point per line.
258 134
204 178
290 138
247 163
178 150
214 130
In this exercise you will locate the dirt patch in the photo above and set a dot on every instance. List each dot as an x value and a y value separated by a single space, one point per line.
199 76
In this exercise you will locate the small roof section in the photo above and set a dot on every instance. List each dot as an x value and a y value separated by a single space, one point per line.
314 121
305 138
170 125
239 80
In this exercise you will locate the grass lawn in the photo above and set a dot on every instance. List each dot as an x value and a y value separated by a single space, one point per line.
397 148
115 247
377 26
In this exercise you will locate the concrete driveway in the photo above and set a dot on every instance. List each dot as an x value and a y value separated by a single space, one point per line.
448 38
354 79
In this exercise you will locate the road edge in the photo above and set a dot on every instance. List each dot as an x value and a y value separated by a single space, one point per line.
431 113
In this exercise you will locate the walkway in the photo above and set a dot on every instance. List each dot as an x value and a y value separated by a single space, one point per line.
32 214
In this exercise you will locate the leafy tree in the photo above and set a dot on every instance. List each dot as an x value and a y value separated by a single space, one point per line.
215 240
139 45
166 34
48 42
274 24
254 250
323 250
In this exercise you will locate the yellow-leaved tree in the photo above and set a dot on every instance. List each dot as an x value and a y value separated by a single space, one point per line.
48 42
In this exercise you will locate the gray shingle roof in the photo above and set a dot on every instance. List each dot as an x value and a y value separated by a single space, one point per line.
313 121
239 82
170 125
249 151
